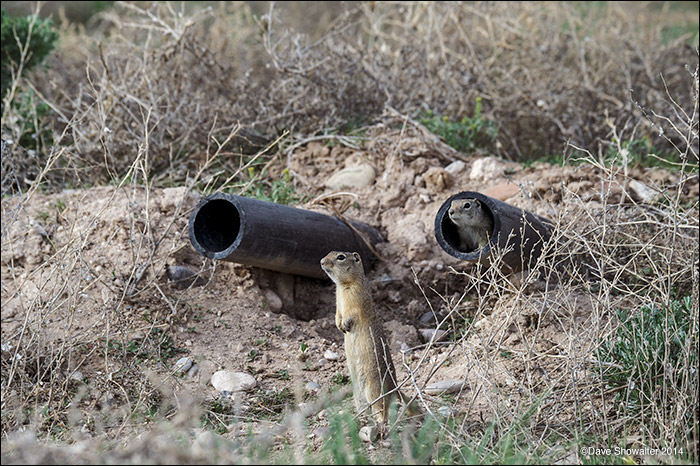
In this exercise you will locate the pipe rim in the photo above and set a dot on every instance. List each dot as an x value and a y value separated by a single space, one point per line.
228 223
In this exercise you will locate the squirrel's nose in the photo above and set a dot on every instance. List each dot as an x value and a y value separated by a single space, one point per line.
451 211
324 261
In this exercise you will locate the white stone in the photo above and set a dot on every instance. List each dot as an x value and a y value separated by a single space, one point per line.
272 300
313 386
358 176
444 387
455 167
233 381
331 355
644 192
183 365
431 334
487 168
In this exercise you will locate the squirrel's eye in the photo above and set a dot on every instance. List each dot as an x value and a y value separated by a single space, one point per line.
467 205
341 257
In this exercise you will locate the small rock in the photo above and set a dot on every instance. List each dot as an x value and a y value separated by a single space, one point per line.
331 355
183 277
431 334
352 177
643 192
444 411
368 434
487 168
194 370
183 365
273 300
444 387
313 386
284 285
233 381
429 317
77 375
455 167
437 179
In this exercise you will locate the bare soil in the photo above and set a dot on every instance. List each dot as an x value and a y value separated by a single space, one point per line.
523 336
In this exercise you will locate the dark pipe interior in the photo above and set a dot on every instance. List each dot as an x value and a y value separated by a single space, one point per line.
449 231
217 225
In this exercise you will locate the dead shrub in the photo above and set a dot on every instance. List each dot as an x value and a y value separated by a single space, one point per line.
546 74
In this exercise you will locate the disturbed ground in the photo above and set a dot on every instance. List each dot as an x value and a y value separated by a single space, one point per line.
90 265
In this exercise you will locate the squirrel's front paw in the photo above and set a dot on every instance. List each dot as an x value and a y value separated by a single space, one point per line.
347 324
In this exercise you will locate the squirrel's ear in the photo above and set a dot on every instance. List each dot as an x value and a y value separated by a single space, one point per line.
356 256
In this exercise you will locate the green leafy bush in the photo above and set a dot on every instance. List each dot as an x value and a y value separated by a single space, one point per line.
649 352
465 135
37 35
279 191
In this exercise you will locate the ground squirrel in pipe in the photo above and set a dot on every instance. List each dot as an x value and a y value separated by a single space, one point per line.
473 223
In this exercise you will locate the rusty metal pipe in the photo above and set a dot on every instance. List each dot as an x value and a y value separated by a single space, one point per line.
517 232
273 236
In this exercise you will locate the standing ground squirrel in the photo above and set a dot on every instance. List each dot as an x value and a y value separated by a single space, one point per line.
366 349
473 223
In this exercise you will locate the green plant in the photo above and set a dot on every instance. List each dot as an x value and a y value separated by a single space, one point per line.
215 412
59 205
282 374
271 403
26 41
156 346
464 135
340 379
279 191
252 355
651 352
32 124
343 444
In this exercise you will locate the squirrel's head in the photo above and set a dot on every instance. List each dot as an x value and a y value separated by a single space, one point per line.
462 210
343 267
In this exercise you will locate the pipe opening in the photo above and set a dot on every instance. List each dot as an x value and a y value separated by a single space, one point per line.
216 225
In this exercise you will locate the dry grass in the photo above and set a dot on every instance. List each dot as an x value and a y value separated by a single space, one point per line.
193 100
547 74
